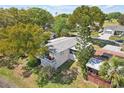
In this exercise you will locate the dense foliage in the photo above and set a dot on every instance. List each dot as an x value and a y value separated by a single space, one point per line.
113 15
113 71
93 16
44 75
81 20
24 33
61 26
12 16
23 40
121 20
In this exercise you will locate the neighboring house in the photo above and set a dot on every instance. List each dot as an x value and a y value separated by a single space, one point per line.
94 63
111 50
114 30
103 54
111 31
60 51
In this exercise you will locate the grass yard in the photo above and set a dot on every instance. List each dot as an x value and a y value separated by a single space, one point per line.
116 38
94 34
78 83
108 23
16 79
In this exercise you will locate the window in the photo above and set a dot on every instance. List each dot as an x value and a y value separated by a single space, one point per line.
118 32
108 32
72 51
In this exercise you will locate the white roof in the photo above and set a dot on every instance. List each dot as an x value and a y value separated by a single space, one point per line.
112 48
62 43
115 28
57 39
109 30
95 65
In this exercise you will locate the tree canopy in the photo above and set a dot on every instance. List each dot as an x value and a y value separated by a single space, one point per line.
113 70
113 15
121 19
60 26
85 50
12 16
23 39
92 16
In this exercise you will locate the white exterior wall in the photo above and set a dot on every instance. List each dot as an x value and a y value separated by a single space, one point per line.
72 57
61 58
110 31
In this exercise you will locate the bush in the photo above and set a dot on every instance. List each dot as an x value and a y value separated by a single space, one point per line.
26 73
116 38
8 62
66 76
94 34
44 75
32 62
102 43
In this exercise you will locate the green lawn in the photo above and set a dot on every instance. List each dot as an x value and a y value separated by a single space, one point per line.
108 23
17 80
13 77
94 34
116 38
78 83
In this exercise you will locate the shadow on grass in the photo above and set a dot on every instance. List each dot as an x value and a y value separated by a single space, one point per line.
65 75
65 66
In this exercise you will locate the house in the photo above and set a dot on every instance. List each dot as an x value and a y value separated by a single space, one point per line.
111 31
60 51
111 50
114 30
93 65
104 54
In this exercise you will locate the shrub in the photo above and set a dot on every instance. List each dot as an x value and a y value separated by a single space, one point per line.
32 62
102 43
116 38
8 62
26 73
44 75
66 76
94 34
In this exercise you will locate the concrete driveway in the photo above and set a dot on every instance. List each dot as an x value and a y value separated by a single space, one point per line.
105 36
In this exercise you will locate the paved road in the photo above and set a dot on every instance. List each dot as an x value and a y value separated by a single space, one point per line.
6 84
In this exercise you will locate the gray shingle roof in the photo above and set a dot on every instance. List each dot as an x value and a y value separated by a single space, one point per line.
115 28
63 43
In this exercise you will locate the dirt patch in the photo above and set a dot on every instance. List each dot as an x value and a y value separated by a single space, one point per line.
6 84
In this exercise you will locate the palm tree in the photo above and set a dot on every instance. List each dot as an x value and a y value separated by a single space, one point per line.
113 70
